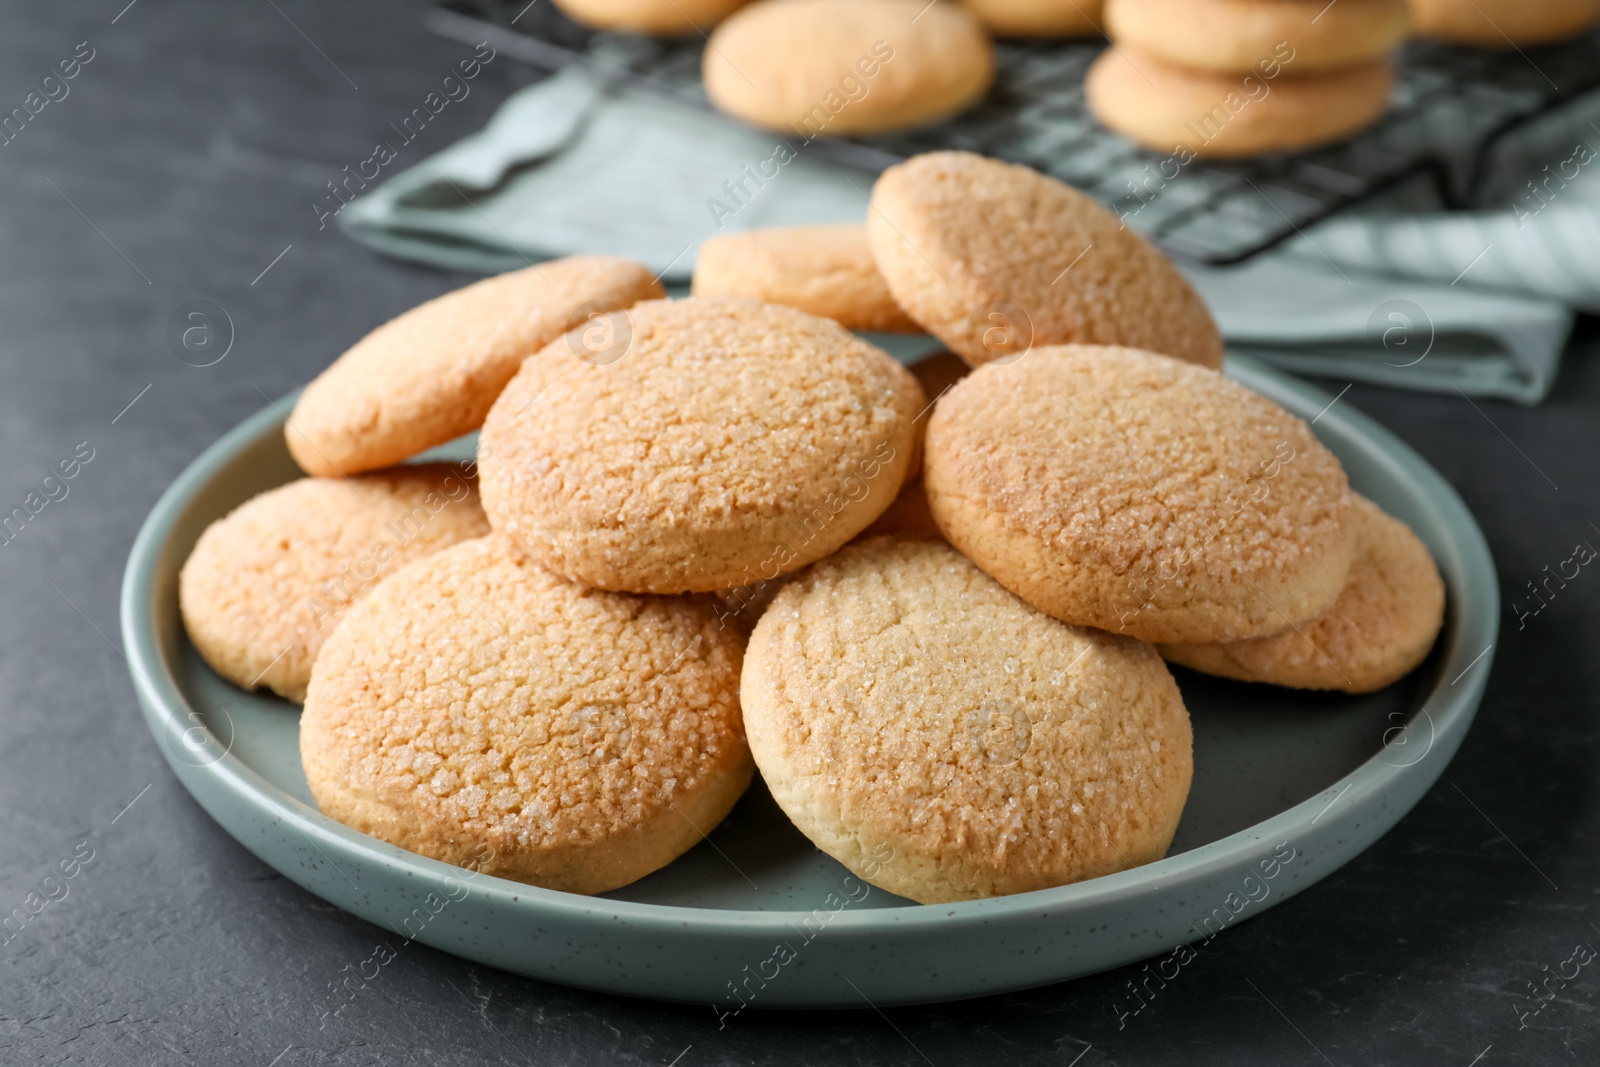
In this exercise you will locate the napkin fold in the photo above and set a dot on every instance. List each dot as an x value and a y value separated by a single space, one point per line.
1403 294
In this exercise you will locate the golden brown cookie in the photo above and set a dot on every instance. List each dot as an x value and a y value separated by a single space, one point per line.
992 257
821 270
666 18
944 741
909 517
1039 18
1502 23
264 586
728 442
1381 627
477 709
835 68
1263 37
1200 113
1117 488
430 375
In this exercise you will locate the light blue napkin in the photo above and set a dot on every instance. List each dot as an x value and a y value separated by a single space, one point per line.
1432 300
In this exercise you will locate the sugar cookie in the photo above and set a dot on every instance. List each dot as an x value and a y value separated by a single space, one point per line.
1383 624
430 375
726 443
822 270
1263 37
1201 113
1502 23
666 18
265 585
479 710
1039 18
945 741
992 257
842 67
1117 488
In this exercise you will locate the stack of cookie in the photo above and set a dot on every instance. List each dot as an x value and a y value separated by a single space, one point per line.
724 533
1232 78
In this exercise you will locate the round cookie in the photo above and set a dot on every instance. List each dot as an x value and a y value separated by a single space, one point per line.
728 443
944 741
1502 23
481 711
1200 113
430 375
821 270
1265 37
992 257
665 18
1381 627
1039 18
1117 488
844 67
265 585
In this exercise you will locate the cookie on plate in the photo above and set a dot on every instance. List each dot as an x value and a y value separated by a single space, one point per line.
1502 23
831 68
265 585
727 442
993 258
666 18
430 375
481 711
1205 113
1121 489
944 741
1266 37
1039 18
1381 627
822 270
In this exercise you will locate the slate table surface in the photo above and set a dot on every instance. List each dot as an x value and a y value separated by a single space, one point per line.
183 162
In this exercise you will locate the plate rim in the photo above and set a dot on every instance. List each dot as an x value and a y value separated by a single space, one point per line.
166 712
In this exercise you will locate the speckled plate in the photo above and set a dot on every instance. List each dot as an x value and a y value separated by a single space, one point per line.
1288 786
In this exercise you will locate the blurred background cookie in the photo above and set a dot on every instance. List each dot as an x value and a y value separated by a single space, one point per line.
1240 36
945 741
265 585
1502 23
1381 627
821 270
1121 489
727 442
429 376
841 67
662 17
1039 18
993 258
481 711
1177 109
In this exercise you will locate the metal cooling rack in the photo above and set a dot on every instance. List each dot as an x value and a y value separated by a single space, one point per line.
1451 108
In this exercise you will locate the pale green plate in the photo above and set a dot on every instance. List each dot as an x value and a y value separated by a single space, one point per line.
759 916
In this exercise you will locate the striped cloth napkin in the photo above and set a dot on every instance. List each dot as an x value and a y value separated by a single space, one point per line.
1402 294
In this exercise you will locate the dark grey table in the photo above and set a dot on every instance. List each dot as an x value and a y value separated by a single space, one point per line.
183 163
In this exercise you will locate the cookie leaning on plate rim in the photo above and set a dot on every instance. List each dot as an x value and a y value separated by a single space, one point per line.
1134 492
725 443
1382 626
478 709
945 741
993 257
429 375
266 584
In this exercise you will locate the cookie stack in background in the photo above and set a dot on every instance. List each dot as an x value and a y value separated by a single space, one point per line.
1502 23
1039 18
724 534
1231 78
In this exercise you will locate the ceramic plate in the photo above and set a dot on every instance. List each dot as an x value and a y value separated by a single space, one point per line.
1288 786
